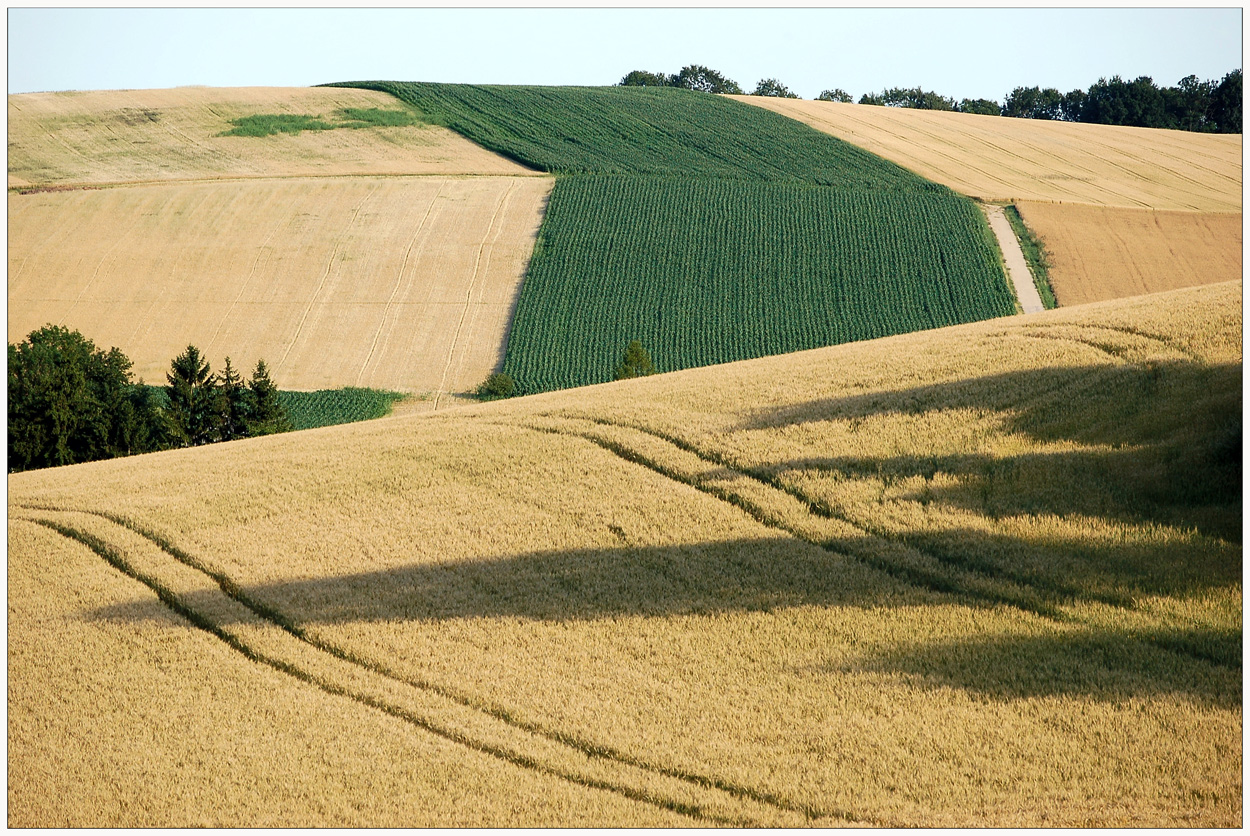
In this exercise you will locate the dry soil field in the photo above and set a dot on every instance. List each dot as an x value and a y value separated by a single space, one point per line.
387 257
1132 251
1148 176
987 575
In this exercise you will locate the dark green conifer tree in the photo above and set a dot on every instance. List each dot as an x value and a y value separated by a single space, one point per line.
267 413
233 403
635 362
194 412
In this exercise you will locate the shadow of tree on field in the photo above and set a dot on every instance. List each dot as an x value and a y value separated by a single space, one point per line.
1106 665
1174 429
744 576
1168 441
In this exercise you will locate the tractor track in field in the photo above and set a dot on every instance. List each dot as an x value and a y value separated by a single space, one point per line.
213 602
903 558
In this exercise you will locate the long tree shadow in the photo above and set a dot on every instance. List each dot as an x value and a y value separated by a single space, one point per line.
1173 429
1106 665
744 576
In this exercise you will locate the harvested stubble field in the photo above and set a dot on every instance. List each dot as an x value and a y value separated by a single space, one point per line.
126 136
1131 251
985 575
345 257
1171 200
403 283
1001 159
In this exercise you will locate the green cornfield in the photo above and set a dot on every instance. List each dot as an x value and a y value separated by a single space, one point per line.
713 231
324 407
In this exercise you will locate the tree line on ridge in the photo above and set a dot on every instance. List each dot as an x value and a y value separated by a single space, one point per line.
1192 105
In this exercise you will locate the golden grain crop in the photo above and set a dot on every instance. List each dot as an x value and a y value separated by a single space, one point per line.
128 716
995 158
977 576
1102 252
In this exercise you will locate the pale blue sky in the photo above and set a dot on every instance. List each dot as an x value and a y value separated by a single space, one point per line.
961 53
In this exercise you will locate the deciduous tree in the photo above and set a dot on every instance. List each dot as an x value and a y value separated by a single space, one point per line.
704 79
642 78
835 95
773 87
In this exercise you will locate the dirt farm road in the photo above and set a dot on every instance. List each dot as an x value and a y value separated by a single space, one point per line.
1017 269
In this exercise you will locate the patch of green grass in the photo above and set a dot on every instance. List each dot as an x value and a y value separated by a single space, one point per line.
1034 256
268 124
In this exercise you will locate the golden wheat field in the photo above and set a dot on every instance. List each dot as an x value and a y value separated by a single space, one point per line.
982 576
1184 188
1104 252
384 257
1000 159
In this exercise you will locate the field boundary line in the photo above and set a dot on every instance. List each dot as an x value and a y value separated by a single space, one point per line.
741 808
468 295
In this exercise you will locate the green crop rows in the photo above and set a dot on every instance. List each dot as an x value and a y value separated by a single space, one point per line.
325 407
713 231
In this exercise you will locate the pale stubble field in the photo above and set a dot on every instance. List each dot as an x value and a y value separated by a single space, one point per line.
403 283
383 257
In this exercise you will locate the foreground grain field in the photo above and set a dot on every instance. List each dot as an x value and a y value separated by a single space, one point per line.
358 256
1105 252
986 575
1171 200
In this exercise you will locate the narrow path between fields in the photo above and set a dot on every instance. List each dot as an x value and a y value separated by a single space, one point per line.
1017 268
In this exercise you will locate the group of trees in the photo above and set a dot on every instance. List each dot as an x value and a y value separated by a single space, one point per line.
71 402
704 80
1192 105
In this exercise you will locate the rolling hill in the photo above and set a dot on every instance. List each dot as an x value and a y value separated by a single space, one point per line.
364 254
987 575
713 232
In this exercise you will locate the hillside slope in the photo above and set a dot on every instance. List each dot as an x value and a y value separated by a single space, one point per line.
985 575
1153 189
367 254
713 232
